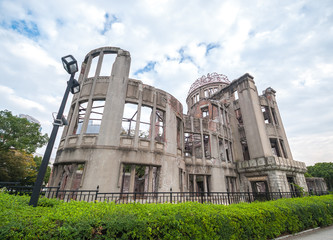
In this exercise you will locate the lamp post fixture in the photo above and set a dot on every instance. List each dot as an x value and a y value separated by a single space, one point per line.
73 86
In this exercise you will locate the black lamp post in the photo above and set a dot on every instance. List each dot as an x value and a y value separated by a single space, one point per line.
70 65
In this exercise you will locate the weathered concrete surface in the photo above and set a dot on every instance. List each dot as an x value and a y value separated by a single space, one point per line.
124 135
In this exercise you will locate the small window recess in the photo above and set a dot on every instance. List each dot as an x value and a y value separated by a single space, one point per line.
80 118
129 119
205 112
95 118
266 114
275 147
93 67
159 125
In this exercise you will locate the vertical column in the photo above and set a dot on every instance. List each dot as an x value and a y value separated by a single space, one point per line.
254 124
115 99
132 179
150 179
195 187
153 122
205 183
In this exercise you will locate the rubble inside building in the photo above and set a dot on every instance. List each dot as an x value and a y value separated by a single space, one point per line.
126 136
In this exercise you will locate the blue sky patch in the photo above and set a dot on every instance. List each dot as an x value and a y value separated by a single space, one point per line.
149 67
183 56
211 46
28 29
109 20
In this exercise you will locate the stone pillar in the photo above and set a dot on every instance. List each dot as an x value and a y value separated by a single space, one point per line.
195 188
205 183
150 179
115 100
132 179
254 124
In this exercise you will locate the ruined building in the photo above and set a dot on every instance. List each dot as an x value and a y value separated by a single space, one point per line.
126 136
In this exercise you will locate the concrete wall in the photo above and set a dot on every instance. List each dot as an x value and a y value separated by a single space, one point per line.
123 133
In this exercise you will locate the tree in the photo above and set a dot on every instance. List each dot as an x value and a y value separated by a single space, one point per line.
18 140
19 134
324 170
16 166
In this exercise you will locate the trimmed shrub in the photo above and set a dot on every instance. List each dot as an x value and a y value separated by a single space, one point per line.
53 219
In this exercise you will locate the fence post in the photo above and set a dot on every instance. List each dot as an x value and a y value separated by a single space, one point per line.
57 192
97 192
248 193
228 197
280 193
170 195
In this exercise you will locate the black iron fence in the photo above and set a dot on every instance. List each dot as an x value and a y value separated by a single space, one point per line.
224 198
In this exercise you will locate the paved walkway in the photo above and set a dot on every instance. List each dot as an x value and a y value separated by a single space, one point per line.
325 233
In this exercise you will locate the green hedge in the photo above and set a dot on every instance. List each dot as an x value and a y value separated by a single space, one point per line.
54 219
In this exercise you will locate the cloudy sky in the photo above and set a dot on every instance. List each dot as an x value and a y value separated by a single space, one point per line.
286 45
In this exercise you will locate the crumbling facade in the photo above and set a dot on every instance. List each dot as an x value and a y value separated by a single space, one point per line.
126 136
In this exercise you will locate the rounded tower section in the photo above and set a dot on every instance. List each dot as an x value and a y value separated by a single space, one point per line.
123 135
205 87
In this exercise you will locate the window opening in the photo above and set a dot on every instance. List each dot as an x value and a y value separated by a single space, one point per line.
145 120
221 150
200 183
246 153
159 125
188 142
179 130
236 95
259 187
222 116
95 118
239 117
283 149
274 146
291 183
129 119
191 185
265 112
215 114
126 178
108 60
78 177
230 184
197 145
226 117
205 112
206 93
93 66
196 98
206 146
81 115
141 178
227 152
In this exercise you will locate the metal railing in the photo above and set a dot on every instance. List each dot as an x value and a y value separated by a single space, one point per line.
224 198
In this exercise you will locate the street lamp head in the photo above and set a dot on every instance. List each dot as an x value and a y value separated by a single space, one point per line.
75 88
70 64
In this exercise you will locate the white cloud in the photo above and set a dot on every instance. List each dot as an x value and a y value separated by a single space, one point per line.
284 45
8 95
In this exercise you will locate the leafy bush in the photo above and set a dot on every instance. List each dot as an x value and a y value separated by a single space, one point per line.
53 219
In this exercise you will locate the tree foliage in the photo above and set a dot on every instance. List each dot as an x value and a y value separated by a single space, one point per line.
324 170
16 166
19 134
18 140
